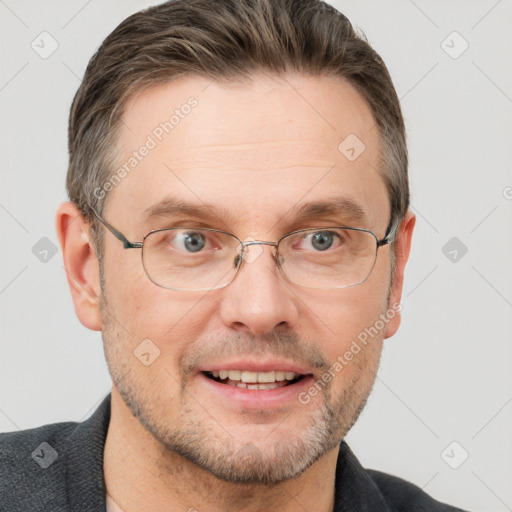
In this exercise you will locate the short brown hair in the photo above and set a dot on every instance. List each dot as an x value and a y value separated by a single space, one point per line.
224 40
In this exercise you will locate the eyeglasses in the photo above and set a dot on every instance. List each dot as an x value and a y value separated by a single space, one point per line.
201 259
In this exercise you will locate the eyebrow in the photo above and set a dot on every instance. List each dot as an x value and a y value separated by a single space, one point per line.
337 207
173 207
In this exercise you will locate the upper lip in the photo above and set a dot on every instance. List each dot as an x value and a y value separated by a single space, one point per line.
256 366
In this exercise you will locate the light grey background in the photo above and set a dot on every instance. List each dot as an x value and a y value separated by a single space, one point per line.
446 376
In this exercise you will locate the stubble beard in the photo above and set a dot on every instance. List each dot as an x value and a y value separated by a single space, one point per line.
201 441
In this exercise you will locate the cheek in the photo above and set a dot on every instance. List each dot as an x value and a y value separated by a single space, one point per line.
350 330
170 319
338 317
137 303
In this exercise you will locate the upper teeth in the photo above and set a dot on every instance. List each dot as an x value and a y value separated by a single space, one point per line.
246 376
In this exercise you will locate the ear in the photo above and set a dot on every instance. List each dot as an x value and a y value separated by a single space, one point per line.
81 264
402 250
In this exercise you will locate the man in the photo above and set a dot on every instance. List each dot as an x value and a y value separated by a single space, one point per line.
238 229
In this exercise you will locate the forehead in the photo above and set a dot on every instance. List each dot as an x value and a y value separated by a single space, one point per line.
252 152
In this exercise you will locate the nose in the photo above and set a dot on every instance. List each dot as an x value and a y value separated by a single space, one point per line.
259 299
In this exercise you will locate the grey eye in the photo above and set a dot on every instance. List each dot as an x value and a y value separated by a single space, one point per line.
193 242
322 240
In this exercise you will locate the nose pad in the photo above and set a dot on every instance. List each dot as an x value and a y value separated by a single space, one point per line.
250 256
279 259
251 250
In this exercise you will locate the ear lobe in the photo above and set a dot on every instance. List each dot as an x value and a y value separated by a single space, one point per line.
402 251
81 264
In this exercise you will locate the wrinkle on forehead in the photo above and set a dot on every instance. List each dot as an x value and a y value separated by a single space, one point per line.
255 150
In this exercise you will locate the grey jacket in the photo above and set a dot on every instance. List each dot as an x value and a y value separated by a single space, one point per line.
59 468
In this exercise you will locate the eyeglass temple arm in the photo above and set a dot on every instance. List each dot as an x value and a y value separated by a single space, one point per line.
391 233
389 238
126 243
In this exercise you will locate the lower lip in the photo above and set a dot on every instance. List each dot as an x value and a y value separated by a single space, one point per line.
255 399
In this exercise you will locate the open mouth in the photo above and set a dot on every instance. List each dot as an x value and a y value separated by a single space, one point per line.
254 380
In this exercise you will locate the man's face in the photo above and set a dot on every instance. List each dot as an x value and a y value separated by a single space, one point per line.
253 154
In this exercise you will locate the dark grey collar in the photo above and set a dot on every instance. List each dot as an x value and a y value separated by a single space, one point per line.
354 489
85 484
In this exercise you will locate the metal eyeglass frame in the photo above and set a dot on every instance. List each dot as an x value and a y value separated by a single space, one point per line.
389 238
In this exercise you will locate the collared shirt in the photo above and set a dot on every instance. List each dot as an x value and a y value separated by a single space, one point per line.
59 468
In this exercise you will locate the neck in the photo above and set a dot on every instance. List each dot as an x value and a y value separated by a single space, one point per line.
141 475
